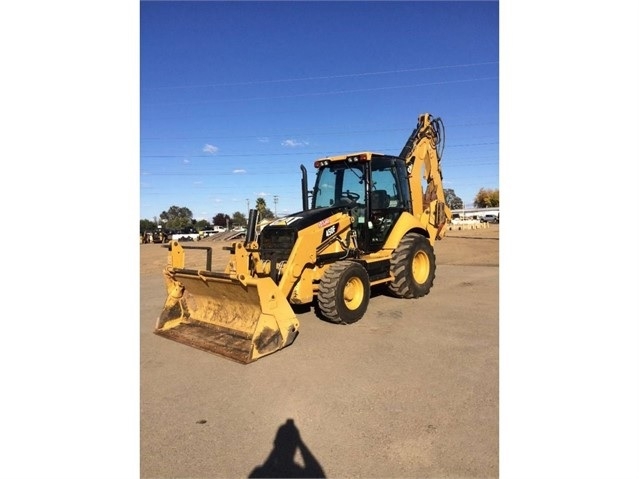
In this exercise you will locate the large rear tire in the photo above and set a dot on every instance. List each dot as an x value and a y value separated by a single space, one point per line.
413 266
344 292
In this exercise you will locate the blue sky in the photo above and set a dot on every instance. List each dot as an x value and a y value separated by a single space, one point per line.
234 96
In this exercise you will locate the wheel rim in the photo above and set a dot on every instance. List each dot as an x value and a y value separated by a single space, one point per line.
420 267
353 293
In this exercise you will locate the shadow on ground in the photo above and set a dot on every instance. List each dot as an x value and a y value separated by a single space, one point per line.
281 460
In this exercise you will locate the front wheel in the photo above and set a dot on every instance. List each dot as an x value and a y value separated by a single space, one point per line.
413 267
344 292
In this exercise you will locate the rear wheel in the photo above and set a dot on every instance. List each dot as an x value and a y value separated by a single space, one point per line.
413 266
344 292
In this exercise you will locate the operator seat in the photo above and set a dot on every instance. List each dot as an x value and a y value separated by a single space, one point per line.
379 200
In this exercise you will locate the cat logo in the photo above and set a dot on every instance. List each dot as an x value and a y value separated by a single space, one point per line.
330 231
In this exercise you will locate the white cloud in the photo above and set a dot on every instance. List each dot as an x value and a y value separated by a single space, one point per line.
294 143
263 139
262 194
239 171
185 161
210 149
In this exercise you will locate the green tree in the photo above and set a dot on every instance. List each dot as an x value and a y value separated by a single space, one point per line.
260 206
268 215
221 219
177 218
239 219
487 198
453 201
147 225
263 211
202 225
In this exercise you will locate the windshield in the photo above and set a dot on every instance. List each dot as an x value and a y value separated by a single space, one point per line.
339 183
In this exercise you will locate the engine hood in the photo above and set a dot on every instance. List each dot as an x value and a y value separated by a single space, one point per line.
303 219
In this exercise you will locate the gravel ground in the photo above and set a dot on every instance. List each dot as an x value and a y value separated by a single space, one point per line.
411 390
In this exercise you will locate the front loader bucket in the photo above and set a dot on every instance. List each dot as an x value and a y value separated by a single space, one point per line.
239 318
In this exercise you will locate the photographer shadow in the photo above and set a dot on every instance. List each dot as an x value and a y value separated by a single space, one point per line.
281 463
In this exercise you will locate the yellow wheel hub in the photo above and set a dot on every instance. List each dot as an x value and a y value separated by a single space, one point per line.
353 293
420 267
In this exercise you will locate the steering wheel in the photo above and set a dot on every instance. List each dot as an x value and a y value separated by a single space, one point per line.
350 195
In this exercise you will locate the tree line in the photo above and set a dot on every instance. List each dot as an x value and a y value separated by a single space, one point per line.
485 198
178 218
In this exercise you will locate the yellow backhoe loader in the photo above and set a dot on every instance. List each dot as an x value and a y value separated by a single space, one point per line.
373 219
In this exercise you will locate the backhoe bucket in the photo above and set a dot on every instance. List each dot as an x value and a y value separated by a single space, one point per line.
240 318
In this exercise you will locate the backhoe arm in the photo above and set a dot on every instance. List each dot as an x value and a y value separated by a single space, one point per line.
422 152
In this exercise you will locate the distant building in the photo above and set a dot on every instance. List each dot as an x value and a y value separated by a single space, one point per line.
475 213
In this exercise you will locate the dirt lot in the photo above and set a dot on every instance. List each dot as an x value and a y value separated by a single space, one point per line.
411 390
463 249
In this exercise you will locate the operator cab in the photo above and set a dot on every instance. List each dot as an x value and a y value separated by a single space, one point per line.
372 187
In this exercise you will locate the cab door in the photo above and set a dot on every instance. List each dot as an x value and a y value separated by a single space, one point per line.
389 197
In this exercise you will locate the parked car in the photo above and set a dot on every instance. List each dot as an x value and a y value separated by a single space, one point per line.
490 218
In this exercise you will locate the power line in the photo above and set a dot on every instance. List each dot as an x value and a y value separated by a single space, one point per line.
324 77
293 153
335 92
278 110
314 133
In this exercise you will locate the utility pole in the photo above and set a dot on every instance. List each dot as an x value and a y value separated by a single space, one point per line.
275 198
